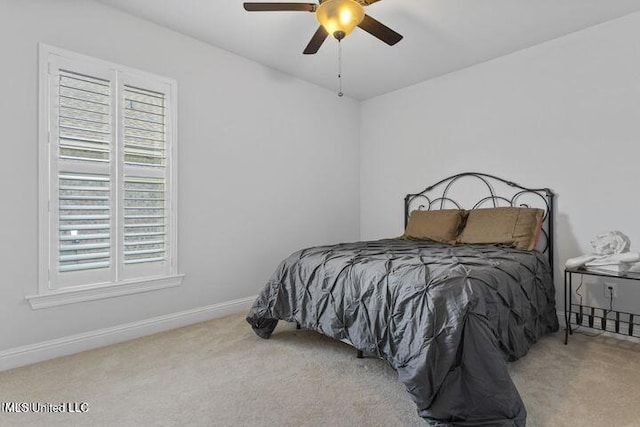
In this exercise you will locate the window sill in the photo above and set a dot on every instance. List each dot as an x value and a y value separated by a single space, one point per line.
110 290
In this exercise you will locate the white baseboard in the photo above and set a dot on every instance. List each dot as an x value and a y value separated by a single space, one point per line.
33 353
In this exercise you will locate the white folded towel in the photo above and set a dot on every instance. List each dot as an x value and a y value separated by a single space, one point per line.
612 249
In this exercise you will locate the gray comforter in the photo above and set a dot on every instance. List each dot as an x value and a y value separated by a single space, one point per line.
447 318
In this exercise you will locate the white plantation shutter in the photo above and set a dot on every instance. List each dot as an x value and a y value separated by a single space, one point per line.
84 200
145 180
145 236
145 213
145 120
110 214
81 185
84 117
84 222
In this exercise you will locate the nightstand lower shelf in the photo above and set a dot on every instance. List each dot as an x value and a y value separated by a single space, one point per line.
618 322
597 318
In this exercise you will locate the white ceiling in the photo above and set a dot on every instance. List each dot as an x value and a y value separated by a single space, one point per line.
440 36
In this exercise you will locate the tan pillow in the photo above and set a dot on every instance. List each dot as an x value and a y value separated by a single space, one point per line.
511 226
441 225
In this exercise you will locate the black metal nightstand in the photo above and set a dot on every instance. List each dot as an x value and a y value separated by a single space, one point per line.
595 317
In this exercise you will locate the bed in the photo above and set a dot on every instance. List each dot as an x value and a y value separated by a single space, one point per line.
447 317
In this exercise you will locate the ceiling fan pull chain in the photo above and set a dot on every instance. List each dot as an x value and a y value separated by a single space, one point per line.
340 69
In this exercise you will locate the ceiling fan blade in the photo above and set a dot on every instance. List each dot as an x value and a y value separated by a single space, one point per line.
316 41
368 2
277 7
379 30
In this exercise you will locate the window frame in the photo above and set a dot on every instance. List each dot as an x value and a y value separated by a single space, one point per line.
49 292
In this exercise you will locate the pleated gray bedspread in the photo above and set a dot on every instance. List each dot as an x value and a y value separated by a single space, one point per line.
447 318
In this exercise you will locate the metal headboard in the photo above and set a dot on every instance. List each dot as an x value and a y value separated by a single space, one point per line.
439 196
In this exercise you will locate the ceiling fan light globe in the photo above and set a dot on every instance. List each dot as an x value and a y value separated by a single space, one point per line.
339 16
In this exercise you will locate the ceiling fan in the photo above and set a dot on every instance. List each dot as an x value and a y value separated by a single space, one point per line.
336 17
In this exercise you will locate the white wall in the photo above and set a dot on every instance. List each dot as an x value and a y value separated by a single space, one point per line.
564 114
257 179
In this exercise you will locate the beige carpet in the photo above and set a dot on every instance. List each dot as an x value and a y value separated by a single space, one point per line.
219 373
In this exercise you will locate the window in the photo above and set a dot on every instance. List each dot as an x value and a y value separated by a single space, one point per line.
107 180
